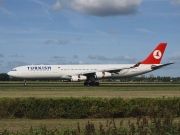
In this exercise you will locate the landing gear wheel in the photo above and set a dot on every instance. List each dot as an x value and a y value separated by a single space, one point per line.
25 84
91 83
86 83
97 83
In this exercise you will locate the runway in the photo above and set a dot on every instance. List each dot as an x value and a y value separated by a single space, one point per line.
82 86
73 85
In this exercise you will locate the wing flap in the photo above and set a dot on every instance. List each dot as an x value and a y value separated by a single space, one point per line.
114 70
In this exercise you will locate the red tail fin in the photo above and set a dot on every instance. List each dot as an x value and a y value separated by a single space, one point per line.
156 56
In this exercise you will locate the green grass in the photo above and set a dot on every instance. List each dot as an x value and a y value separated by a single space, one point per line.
142 125
49 88
26 124
108 90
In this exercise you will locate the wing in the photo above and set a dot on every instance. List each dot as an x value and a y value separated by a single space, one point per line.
91 73
114 70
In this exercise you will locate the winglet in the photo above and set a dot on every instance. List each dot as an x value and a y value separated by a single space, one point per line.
156 55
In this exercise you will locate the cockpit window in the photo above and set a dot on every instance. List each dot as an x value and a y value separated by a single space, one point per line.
14 70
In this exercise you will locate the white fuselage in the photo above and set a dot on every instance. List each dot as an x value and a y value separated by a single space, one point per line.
65 72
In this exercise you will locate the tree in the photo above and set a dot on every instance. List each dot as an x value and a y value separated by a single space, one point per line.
4 77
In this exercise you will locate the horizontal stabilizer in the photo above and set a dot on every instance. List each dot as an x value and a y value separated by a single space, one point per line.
154 67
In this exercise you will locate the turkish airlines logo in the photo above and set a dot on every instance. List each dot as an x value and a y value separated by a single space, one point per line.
157 54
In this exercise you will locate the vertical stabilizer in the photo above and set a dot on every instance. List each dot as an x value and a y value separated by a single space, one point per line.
156 55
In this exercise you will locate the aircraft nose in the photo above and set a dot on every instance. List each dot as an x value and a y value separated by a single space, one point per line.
9 73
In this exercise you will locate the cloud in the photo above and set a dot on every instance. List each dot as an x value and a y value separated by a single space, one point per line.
175 2
143 30
64 41
1 61
175 58
1 55
45 8
6 12
49 41
105 7
59 42
16 55
114 32
75 56
58 57
120 58
13 64
79 38
56 6
74 63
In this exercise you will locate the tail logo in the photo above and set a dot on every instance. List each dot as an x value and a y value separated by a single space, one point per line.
157 54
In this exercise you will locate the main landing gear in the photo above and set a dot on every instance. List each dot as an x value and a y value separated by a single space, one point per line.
91 83
25 84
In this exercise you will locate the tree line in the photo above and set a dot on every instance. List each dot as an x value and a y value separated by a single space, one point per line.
151 79
5 77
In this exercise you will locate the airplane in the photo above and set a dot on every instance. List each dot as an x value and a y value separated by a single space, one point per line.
91 74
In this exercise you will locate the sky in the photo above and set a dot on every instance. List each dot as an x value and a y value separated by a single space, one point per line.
88 32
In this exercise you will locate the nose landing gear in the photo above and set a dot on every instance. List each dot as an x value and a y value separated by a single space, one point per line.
25 84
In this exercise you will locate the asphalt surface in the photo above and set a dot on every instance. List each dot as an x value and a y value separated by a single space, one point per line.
82 85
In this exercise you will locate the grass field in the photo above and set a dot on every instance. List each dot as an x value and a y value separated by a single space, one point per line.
26 124
56 90
107 90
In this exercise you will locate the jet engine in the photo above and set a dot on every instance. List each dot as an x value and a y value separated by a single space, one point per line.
100 75
78 78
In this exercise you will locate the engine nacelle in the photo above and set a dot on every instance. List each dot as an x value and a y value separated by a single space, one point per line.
100 75
78 78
